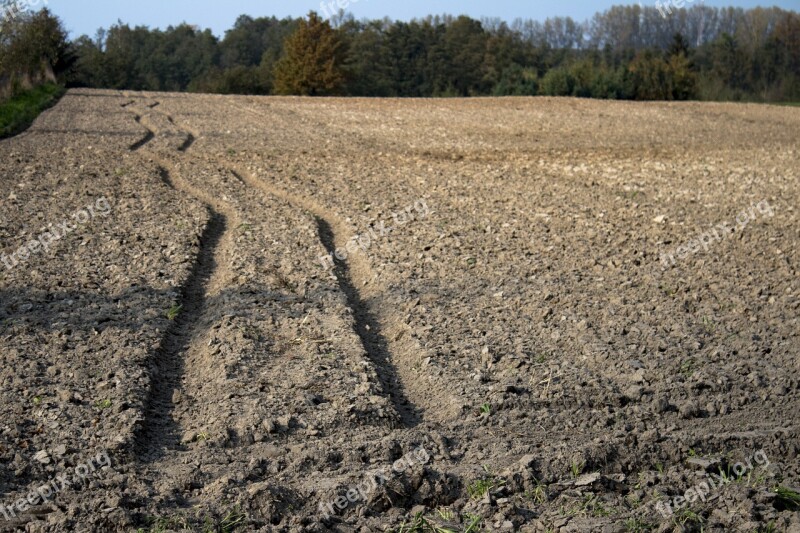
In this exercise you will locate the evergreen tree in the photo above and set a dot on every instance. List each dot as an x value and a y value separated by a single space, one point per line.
684 80
312 60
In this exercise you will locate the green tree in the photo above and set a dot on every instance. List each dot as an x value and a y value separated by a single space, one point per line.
125 52
234 80
683 79
250 39
312 60
557 82
517 81
730 62
368 65
88 70
409 61
649 78
33 48
461 51
678 46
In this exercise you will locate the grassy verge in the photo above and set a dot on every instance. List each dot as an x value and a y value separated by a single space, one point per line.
20 111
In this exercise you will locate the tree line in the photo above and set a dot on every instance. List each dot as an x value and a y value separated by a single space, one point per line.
625 52
33 48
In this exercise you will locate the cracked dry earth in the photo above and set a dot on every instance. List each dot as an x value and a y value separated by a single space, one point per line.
501 349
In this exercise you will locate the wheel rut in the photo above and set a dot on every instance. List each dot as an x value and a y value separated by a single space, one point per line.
378 330
161 428
187 143
380 339
369 330
149 136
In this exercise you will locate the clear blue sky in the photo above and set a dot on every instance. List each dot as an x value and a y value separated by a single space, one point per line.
86 16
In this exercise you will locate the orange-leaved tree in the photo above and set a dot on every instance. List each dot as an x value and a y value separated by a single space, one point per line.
312 61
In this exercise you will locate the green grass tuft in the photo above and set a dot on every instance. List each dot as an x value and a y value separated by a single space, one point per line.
174 311
480 487
636 525
788 497
19 112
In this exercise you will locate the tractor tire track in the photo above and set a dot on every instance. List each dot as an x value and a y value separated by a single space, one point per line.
187 143
384 337
385 340
369 331
161 429
367 326
149 136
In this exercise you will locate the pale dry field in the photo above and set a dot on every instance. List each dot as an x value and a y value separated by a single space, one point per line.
286 314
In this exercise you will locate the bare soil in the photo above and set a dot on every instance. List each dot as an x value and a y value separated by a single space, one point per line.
507 345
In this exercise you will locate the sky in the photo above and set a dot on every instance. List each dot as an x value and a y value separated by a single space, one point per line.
86 16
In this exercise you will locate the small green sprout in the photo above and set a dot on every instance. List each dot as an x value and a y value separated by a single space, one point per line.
174 311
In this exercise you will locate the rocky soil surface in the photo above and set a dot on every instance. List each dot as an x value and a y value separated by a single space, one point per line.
278 314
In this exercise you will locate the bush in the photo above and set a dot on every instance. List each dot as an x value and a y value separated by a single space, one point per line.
609 84
649 78
557 82
583 75
517 81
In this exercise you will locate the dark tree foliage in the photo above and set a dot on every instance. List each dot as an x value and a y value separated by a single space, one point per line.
626 52
312 61
33 48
